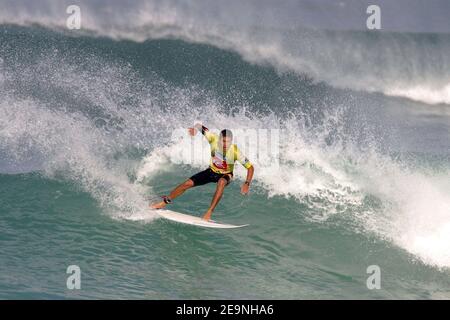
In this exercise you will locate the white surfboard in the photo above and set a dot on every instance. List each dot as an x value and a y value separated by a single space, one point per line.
196 221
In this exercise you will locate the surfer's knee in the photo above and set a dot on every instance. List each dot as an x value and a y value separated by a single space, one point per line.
222 182
188 184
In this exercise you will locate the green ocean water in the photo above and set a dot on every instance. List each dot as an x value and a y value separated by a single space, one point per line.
86 143
279 256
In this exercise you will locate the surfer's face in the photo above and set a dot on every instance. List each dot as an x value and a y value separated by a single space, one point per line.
226 142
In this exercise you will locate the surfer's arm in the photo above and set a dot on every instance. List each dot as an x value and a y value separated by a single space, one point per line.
250 170
204 130
201 128
246 185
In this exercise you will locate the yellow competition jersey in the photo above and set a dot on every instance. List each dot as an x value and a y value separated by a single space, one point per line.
224 164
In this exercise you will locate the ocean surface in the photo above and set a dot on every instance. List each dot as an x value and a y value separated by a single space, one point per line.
92 130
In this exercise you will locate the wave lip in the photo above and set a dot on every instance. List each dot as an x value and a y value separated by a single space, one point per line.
413 66
424 94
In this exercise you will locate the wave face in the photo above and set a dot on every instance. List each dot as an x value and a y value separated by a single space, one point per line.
91 126
413 66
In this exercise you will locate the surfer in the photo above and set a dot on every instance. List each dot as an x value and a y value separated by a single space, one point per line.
223 156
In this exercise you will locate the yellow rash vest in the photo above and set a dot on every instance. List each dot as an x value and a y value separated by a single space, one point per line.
219 162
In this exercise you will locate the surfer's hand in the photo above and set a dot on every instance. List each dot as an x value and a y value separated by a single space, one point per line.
192 131
244 189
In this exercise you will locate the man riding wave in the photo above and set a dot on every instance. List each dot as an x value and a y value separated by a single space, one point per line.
223 156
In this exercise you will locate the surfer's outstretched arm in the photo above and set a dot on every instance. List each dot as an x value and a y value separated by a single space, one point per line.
204 130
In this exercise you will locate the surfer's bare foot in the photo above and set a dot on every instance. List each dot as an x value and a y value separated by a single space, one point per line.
207 216
158 205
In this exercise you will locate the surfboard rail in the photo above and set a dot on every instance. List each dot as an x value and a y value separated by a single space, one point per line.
196 221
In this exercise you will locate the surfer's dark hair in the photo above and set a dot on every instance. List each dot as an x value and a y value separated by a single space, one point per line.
226 133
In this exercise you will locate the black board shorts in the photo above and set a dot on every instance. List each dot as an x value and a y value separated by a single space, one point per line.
208 176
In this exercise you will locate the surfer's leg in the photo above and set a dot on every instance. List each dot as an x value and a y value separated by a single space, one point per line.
178 191
221 184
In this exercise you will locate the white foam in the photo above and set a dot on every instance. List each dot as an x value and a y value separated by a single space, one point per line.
424 93
423 218
416 208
